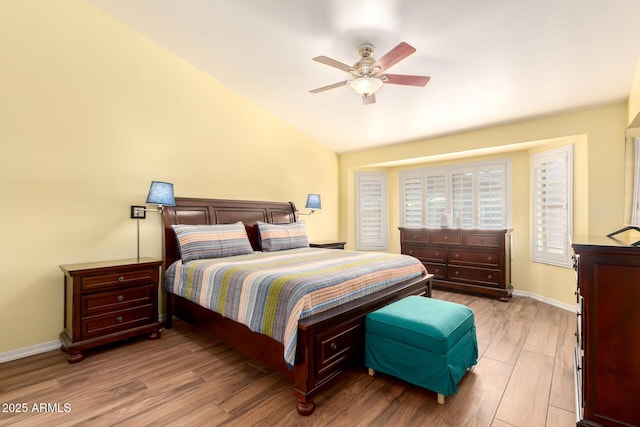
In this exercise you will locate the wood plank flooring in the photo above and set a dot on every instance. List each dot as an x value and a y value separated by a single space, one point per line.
523 378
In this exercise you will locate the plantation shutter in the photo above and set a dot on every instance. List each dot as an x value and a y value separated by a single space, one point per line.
635 212
462 197
491 198
411 188
436 199
371 211
552 211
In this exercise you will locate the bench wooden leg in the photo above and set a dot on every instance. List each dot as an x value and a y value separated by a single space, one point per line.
441 398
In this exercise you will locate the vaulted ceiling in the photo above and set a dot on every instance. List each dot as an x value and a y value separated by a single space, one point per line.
490 61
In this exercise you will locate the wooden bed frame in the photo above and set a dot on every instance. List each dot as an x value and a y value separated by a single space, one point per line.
328 342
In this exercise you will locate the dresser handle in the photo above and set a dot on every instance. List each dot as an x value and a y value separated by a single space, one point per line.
437 253
489 258
489 277
120 319
456 256
410 252
457 272
446 237
333 347
120 298
121 279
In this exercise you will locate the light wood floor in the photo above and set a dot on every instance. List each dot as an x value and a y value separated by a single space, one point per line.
523 378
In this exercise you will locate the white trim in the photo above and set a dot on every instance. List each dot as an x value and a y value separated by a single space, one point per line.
39 348
29 351
555 303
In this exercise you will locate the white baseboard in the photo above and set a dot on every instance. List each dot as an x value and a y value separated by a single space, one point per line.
29 351
37 349
555 303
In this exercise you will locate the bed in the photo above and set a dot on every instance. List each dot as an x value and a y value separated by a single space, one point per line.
321 344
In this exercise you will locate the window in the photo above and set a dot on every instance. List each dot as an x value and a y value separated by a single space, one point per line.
552 183
371 211
635 210
470 196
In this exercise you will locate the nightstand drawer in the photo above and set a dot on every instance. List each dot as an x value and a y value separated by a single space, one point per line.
105 302
97 326
120 278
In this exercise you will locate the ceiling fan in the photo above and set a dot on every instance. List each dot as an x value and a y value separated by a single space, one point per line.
369 74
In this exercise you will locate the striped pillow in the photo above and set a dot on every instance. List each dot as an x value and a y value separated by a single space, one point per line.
212 241
278 237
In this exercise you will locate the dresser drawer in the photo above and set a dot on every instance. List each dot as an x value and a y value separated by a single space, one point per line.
336 346
415 235
439 271
484 276
446 238
120 278
96 326
457 256
482 240
425 254
104 302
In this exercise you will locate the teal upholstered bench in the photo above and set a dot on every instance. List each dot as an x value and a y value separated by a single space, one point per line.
427 342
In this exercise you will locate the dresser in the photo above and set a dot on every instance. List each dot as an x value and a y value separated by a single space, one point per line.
607 352
467 260
109 301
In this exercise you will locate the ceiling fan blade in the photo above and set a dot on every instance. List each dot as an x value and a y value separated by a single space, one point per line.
333 63
403 79
394 56
333 86
369 99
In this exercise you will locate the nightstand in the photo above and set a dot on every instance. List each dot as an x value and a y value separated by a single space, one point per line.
109 301
328 245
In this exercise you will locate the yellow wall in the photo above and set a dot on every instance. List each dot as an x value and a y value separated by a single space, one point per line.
634 96
598 139
90 113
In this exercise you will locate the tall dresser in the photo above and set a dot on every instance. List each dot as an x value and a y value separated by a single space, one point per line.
607 353
476 261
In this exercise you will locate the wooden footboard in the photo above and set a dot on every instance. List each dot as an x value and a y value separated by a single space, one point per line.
328 343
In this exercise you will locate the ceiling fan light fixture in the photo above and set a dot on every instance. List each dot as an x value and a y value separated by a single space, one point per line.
366 85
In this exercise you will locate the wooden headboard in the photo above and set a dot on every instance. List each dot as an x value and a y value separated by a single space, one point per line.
196 211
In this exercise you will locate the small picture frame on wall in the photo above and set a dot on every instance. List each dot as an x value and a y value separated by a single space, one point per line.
138 212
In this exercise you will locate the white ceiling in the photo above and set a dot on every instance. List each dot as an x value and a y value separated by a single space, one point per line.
490 61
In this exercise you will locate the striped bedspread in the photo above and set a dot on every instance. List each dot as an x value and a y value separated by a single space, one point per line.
270 291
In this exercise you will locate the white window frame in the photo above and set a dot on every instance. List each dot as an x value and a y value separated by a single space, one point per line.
635 198
553 218
371 212
448 212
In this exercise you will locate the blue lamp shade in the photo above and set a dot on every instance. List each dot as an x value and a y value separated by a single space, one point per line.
161 193
313 202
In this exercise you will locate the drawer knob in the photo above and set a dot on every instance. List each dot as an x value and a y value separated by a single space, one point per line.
489 277
437 253
457 272
121 279
446 237
410 252
457 255
489 258
120 298
333 347
120 319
